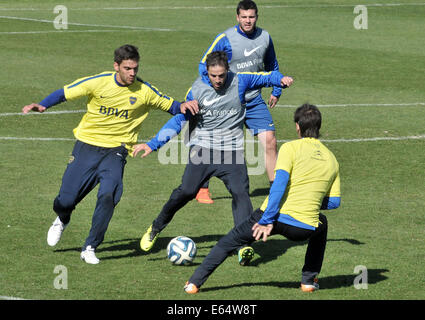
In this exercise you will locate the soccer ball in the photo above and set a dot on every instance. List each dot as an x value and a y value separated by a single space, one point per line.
181 250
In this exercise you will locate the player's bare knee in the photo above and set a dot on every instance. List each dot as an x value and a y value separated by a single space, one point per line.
268 140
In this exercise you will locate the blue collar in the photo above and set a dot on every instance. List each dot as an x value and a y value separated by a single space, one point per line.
116 81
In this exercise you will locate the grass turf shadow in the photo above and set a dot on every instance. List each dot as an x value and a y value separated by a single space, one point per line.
326 283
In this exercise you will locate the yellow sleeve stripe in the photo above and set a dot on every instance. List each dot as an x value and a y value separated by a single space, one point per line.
187 92
210 49
259 73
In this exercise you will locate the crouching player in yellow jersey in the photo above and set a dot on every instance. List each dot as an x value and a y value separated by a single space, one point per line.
306 181
118 103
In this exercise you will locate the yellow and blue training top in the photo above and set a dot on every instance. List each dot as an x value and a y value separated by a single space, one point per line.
114 112
306 180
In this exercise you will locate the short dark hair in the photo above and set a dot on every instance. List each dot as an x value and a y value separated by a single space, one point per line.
126 52
246 5
309 119
217 58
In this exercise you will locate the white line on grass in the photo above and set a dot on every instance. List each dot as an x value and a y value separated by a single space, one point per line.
62 31
260 6
224 7
10 298
6 114
357 105
36 139
87 25
417 137
280 141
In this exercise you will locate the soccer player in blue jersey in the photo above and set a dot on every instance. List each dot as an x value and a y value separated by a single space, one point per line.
249 49
216 141
118 102
306 181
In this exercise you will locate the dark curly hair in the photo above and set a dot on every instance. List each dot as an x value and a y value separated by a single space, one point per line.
126 52
217 58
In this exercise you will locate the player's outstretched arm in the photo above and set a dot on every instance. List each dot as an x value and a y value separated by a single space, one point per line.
254 80
33 107
51 100
171 129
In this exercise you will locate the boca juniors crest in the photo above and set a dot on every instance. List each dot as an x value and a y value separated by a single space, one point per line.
133 100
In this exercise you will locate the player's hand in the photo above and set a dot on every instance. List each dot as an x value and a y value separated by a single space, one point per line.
273 101
286 81
139 147
192 106
33 107
261 231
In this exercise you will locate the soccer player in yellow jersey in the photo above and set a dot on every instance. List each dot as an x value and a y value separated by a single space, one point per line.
118 102
306 181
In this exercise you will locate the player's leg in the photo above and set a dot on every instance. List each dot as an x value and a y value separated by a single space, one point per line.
314 255
178 199
269 144
260 123
110 175
235 178
315 249
204 194
239 236
78 180
197 171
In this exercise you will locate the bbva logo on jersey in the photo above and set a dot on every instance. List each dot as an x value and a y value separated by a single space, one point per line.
113 112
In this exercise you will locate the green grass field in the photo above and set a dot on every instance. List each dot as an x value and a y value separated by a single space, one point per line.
369 85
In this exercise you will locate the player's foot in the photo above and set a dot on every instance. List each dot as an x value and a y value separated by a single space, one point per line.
148 239
190 288
245 255
204 196
55 232
88 256
311 286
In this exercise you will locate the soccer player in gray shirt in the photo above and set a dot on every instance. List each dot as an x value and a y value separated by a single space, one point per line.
216 141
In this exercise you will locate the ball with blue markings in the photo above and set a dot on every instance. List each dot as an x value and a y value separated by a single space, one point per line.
181 250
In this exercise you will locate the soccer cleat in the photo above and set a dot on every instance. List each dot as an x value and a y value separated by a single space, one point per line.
148 239
88 256
204 196
245 255
55 232
190 288
310 287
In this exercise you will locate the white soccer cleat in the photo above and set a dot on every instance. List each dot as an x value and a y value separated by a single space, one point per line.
88 256
55 232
